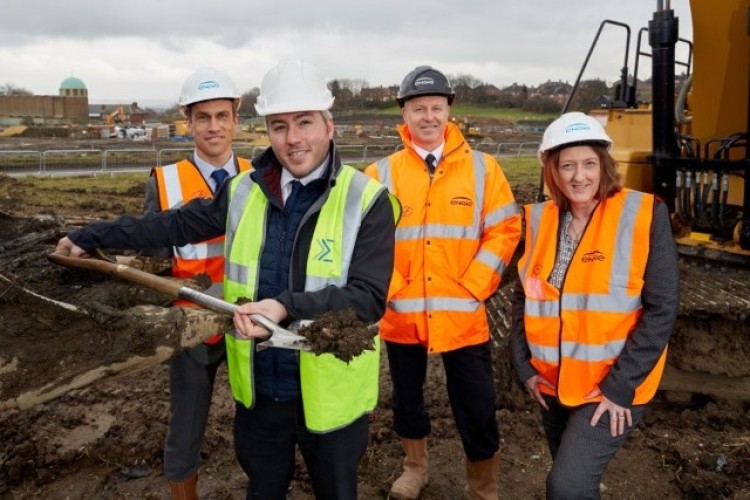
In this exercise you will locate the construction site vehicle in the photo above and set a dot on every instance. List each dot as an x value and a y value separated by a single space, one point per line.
468 129
116 116
691 148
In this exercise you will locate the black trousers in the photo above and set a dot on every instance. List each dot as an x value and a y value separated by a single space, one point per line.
191 384
265 438
471 391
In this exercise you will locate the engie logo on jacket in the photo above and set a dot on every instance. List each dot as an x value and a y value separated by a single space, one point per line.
462 201
595 256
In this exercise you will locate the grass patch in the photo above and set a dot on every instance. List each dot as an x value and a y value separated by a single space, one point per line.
521 169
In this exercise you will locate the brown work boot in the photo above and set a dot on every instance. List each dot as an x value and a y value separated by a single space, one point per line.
414 478
481 478
185 490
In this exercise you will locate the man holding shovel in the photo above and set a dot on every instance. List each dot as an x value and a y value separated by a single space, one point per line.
209 100
304 235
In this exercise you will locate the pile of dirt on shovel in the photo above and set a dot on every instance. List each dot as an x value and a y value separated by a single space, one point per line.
340 333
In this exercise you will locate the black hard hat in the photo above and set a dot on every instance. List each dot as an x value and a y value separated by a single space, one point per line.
424 80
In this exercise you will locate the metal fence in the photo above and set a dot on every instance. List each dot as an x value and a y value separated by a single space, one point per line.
61 162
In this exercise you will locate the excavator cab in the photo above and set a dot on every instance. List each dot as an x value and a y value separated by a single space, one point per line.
690 145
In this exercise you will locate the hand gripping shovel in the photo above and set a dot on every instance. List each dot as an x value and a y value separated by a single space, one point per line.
280 337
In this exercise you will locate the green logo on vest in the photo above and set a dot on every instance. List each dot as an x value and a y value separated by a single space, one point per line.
324 255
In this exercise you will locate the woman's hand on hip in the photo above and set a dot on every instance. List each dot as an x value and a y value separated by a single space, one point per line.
532 387
619 417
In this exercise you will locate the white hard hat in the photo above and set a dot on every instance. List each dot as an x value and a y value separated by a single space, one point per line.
293 86
207 84
572 128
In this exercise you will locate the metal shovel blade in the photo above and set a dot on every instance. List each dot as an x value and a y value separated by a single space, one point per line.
281 337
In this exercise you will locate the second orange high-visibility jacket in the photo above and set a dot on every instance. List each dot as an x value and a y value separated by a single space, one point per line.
457 234
576 334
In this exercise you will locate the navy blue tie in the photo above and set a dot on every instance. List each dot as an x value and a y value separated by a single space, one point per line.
291 201
430 161
219 176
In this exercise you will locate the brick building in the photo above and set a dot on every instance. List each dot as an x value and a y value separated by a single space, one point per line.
71 104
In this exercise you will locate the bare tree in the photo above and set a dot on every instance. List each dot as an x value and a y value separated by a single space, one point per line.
247 105
12 89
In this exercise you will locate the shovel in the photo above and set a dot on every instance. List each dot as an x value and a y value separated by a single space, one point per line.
280 337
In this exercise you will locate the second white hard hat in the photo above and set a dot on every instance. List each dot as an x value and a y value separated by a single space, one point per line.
207 84
573 127
293 86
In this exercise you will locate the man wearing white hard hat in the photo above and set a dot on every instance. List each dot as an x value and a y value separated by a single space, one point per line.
305 235
209 101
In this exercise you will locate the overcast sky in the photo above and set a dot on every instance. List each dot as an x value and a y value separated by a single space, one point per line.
142 50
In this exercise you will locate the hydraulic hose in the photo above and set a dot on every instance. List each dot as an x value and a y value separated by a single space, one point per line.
678 196
706 186
686 196
724 196
715 202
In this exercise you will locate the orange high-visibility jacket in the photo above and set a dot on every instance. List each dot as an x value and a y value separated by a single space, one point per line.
177 184
456 235
577 332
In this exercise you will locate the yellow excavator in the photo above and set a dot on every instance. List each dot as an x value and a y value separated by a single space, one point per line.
116 116
690 147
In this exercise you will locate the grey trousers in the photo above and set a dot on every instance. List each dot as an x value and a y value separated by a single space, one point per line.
191 384
580 453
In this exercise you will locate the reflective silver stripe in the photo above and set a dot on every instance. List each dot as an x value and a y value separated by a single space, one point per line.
434 304
620 272
200 251
172 186
580 352
437 231
532 235
353 213
384 173
409 233
615 301
236 207
491 260
238 273
592 352
480 171
500 215
545 353
542 308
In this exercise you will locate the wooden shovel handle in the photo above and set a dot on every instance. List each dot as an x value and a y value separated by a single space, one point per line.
122 271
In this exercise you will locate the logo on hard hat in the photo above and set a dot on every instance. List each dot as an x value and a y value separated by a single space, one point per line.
424 80
577 127
210 84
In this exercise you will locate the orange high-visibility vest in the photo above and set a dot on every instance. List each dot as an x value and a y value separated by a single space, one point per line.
456 235
179 183
577 332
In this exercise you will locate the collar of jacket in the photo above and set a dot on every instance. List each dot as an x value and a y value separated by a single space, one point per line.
267 160
454 139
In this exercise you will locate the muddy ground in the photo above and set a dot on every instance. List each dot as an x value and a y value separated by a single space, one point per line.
105 440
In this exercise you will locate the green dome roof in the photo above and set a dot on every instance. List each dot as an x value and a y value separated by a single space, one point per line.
72 83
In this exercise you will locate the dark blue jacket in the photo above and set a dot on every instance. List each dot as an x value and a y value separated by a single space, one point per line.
277 370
